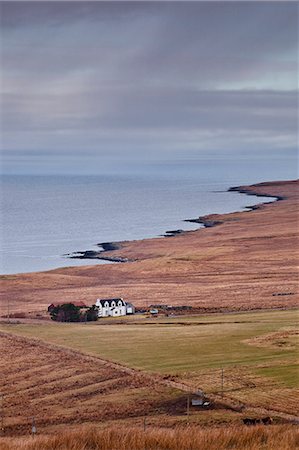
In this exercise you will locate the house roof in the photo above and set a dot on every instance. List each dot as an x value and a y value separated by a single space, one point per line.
102 301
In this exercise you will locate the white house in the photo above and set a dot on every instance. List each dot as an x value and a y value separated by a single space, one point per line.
111 307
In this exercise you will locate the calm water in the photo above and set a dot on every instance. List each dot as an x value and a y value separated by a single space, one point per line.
45 217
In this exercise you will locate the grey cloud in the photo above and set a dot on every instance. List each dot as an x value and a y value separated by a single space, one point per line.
153 108
115 77
194 39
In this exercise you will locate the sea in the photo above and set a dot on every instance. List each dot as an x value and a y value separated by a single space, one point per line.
45 217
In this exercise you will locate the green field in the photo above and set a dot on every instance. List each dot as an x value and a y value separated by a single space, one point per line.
257 351
174 345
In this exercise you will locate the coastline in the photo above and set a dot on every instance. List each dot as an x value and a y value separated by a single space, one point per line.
248 262
207 221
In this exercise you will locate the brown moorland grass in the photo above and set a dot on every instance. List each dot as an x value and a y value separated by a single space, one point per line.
61 387
188 438
245 263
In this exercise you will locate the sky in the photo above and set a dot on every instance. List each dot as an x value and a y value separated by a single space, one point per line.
90 87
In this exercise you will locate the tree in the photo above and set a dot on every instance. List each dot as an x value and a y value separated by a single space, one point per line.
66 312
91 314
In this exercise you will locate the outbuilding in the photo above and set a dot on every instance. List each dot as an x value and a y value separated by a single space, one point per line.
130 308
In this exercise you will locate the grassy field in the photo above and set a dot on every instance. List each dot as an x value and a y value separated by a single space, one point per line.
259 366
177 345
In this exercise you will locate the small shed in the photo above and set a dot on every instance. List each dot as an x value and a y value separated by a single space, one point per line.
130 308
197 401
200 401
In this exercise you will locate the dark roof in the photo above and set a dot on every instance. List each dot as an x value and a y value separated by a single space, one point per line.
110 300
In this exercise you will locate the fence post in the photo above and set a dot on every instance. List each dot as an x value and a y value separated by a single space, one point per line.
222 381
33 428
2 413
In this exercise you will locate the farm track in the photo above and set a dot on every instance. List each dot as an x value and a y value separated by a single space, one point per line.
76 379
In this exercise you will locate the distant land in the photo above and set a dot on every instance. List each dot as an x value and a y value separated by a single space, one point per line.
246 261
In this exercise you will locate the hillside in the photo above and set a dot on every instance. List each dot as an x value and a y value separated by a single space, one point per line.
246 262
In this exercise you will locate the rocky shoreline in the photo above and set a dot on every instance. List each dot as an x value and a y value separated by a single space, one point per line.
110 247
211 220
98 254
208 221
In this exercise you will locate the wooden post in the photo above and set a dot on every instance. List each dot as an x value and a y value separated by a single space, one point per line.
222 381
2 413
188 408
8 309
33 428
144 436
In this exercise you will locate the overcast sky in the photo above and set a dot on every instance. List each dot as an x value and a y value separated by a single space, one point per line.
91 85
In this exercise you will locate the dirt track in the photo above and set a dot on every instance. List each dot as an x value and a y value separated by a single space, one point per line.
247 262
